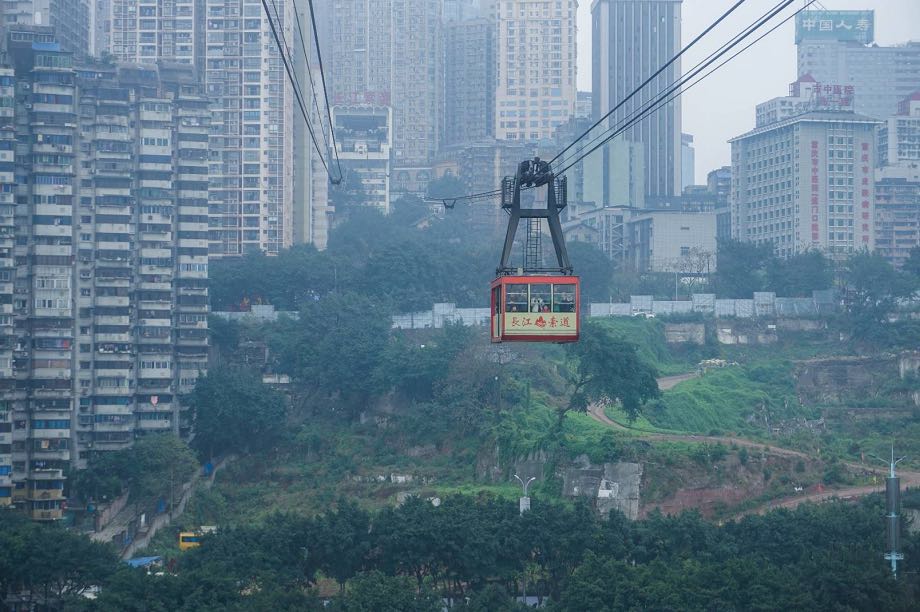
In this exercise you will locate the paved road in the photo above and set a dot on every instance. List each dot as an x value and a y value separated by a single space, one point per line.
908 479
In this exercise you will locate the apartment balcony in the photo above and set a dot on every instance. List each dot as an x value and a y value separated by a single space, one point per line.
46 474
53 313
112 300
155 236
106 277
47 514
154 424
52 230
157 269
111 445
121 337
44 494
51 454
125 426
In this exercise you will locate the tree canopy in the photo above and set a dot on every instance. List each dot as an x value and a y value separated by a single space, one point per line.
818 557
234 411
608 369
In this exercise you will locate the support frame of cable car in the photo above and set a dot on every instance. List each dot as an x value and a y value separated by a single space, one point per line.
549 312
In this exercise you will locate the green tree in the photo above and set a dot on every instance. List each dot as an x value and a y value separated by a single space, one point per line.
912 266
873 288
155 466
158 462
741 268
607 369
46 563
234 411
800 274
377 592
595 270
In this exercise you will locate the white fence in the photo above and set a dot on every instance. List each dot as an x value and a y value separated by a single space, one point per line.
763 304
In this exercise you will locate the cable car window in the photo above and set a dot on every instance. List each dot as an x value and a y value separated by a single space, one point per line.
563 298
516 298
541 297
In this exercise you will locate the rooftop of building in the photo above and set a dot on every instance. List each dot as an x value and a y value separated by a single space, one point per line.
821 116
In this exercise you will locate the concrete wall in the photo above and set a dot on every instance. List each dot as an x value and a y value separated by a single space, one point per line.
685 333
612 486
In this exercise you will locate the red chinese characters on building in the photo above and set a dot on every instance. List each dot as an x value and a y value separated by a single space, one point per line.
814 191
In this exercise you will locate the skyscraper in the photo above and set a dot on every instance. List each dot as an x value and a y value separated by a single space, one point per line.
535 67
108 317
251 147
389 53
251 144
69 18
469 81
631 39
836 48
150 30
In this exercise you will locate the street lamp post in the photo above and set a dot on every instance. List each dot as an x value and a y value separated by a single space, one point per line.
524 506
524 501
892 512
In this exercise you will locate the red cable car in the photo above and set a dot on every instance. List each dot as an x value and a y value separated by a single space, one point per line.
534 303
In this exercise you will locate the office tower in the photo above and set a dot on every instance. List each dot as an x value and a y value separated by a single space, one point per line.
469 81
69 18
110 298
389 53
535 68
806 182
837 49
631 40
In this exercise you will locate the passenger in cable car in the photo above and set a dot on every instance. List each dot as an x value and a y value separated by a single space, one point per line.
564 299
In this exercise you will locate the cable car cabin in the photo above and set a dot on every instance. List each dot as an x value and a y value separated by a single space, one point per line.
535 309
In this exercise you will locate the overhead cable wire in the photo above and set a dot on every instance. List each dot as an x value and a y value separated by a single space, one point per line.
669 95
322 74
652 77
295 86
781 4
306 59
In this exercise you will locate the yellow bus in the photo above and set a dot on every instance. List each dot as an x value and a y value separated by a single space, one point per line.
189 539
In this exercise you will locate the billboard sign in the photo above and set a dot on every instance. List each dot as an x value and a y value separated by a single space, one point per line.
855 26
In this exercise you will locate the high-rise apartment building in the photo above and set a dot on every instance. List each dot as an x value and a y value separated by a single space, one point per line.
150 30
364 137
110 298
837 49
311 210
70 19
535 90
899 135
7 273
806 182
389 53
251 148
469 81
897 218
631 39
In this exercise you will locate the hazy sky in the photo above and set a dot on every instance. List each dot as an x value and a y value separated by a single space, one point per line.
722 106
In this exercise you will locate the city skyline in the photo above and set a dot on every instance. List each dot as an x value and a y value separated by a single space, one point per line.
774 58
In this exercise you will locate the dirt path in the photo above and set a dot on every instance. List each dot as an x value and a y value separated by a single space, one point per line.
667 382
908 479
